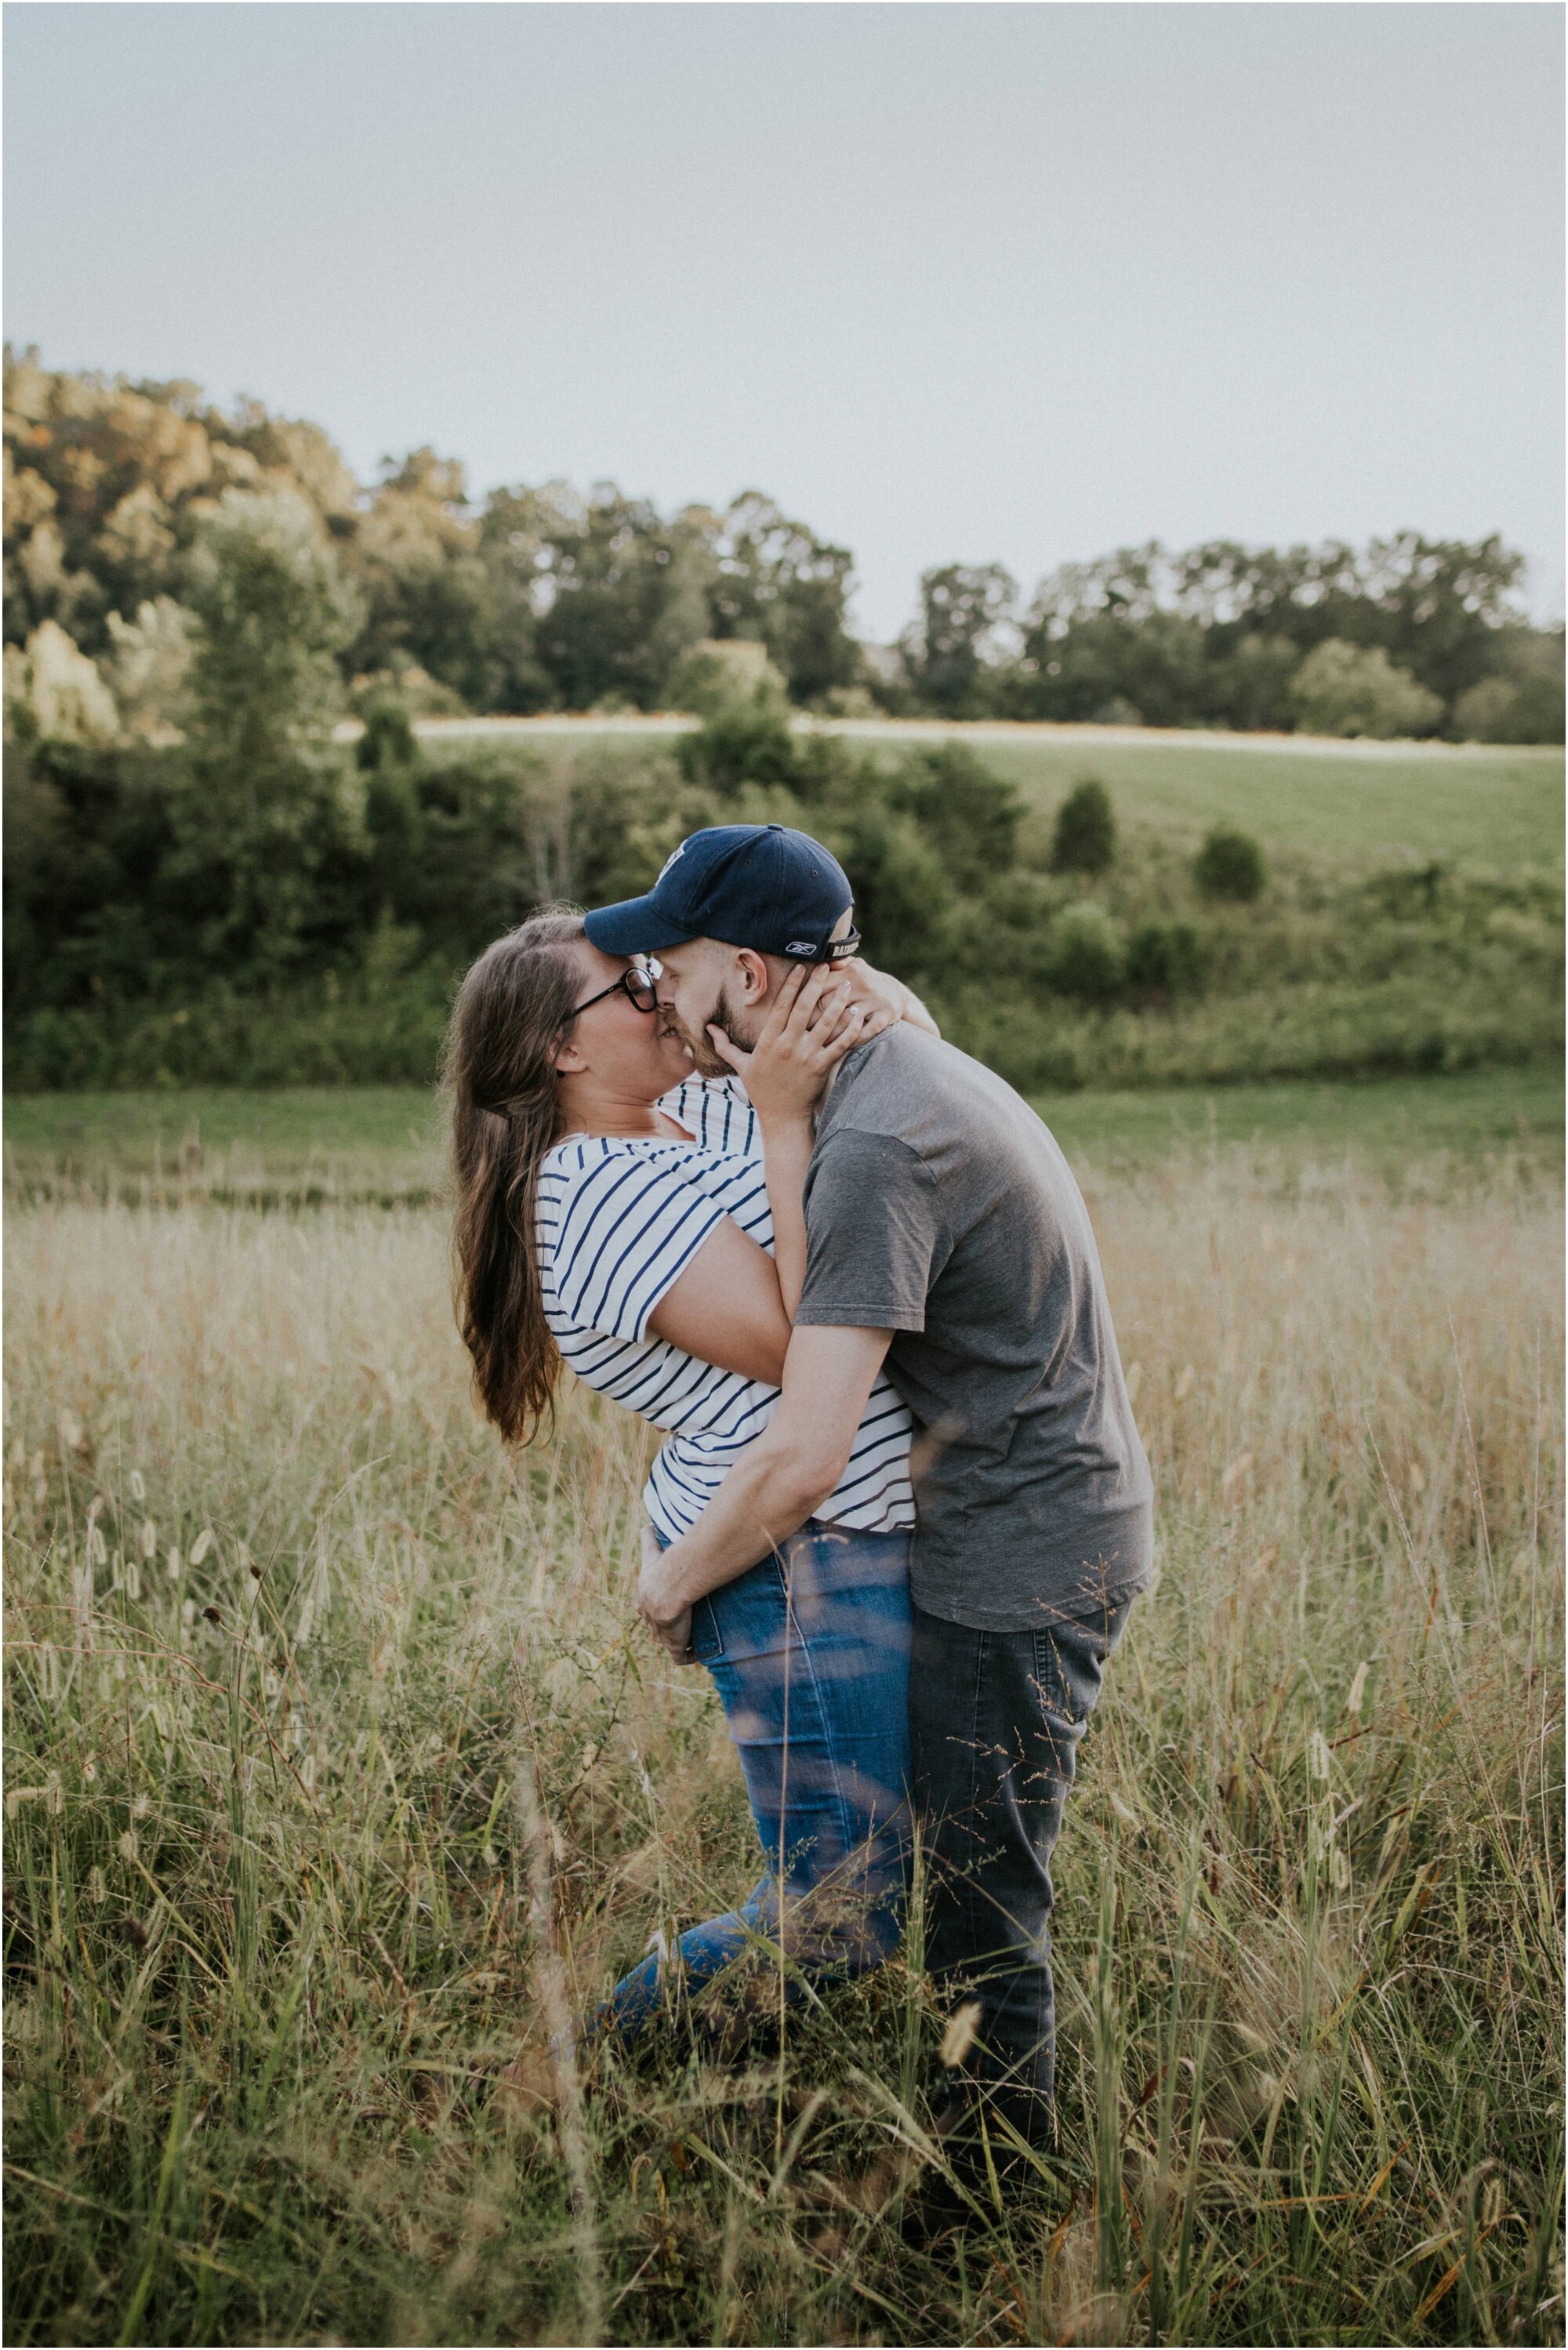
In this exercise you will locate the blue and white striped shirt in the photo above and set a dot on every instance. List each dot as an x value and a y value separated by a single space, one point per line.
620 1218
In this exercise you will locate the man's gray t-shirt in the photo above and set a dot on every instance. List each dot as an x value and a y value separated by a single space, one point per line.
937 1206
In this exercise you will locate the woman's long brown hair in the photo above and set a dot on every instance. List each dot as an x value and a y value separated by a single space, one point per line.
499 1069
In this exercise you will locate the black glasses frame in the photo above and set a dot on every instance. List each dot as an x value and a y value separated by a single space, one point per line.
638 981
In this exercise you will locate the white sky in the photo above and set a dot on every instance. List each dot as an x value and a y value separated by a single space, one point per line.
950 282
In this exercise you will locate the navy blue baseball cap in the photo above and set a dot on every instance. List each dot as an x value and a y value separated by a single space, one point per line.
753 885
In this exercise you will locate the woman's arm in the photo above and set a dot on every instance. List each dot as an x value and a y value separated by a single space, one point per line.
874 987
725 1307
787 1146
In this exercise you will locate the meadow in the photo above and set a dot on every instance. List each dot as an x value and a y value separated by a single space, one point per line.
1366 802
336 1765
302 1145
1362 803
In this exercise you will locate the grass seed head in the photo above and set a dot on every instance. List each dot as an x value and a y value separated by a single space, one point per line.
961 2030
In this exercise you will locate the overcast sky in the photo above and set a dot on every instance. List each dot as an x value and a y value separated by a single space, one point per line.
950 282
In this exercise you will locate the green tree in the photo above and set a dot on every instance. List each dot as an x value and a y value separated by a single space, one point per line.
948 653
1525 701
543 597
1166 960
745 739
776 582
388 738
618 597
274 611
1440 606
517 546
970 815
1083 838
1435 605
1342 689
1248 681
268 850
1100 646
1087 957
91 917
1216 633
425 589
1230 865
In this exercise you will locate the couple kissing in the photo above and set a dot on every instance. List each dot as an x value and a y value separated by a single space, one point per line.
734 1179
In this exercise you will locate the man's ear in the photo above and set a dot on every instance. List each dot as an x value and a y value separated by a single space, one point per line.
755 977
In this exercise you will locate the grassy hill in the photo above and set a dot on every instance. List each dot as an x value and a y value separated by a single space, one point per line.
1365 802
1411 920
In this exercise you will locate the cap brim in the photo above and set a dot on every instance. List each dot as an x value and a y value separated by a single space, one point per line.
636 926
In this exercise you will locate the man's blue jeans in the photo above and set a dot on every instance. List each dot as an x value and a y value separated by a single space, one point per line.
809 1651
997 1719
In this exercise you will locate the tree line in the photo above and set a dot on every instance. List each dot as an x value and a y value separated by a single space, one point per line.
535 599
249 899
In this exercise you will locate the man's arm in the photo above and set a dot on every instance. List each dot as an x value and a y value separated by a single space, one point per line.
776 1483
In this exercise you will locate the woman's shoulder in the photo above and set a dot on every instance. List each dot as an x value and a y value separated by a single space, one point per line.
578 1158
716 1112
628 1163
591 1181
699 1094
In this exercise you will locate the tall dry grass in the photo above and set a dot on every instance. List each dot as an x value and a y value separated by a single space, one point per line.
334 1760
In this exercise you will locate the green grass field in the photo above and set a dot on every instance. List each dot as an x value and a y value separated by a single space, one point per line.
384 1141
368 1138
335 1758
1476 807
1475 804
1389 1123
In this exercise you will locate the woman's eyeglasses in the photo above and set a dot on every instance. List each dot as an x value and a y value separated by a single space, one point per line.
638 985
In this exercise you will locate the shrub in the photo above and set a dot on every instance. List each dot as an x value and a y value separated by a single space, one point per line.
1344 689
745 739
720 671
1087 958
1511 709
389 737
1118 711
1231 864
1166 959
969 816
1085 839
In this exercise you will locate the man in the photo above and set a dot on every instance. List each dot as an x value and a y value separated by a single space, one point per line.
945 1235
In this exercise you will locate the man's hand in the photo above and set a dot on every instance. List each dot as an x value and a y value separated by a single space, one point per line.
814 1020
669 1623
778 1481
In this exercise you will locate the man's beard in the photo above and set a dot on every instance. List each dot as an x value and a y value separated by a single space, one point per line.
707 1061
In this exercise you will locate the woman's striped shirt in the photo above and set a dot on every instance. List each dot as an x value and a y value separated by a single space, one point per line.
618 1220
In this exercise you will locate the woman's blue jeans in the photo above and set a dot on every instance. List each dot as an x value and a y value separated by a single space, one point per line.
809 1651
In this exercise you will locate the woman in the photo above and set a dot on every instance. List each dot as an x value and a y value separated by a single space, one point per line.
645 1227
